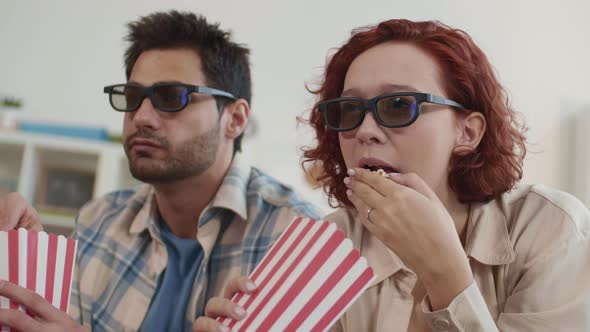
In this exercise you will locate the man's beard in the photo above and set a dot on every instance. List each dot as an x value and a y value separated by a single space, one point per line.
189 158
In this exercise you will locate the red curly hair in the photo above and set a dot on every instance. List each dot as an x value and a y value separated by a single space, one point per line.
492 169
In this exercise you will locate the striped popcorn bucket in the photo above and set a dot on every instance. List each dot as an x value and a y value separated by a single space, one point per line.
41 262
308 279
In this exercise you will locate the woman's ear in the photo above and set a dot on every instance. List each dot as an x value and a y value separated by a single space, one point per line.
470 130
238 113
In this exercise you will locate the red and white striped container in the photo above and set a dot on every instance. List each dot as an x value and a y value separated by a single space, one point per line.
308 279
41 262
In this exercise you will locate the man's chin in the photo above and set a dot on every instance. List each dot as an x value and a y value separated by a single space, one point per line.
154 175
140 155
151 177
146 170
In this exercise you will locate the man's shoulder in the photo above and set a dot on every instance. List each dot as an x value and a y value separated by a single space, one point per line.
263 188
111 205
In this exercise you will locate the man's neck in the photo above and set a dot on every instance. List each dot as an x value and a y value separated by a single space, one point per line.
181 203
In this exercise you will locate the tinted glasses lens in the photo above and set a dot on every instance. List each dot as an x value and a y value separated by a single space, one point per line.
397 110
125 97
344 114
170 97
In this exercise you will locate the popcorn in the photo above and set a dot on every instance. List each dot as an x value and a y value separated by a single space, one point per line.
382 172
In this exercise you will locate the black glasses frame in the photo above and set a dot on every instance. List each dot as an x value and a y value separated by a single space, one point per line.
371 105
149 92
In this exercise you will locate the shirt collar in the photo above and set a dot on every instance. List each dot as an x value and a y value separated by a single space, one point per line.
145 198
231 195
381 259
487 238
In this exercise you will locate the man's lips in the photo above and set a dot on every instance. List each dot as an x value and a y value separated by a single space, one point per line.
143 144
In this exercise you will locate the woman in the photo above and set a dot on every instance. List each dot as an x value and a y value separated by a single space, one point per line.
456 244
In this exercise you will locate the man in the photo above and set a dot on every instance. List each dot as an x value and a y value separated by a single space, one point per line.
149 259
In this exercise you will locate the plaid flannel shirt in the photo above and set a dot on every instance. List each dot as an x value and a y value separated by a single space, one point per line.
121 254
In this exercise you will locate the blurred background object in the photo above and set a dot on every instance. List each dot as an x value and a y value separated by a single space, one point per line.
8 108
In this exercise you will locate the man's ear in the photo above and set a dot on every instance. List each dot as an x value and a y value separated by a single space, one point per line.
237 113
470 130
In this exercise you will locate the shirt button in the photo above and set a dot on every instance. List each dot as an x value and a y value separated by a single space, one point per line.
441 324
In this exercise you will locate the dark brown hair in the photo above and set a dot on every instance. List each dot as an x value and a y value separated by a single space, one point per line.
225 64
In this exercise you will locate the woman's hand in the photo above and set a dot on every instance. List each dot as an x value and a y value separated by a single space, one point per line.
223 306
16 212
407 216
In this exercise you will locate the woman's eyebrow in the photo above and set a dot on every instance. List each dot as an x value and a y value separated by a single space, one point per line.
385 88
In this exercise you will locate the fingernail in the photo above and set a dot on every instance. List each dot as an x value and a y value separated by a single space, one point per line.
239 311
347 180
348 192
222 328
351 172
250 286
394 174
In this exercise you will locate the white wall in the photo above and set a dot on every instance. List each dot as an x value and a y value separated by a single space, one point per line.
59 54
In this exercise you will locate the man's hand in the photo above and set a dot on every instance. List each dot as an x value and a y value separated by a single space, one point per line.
47 317
16 212
223 306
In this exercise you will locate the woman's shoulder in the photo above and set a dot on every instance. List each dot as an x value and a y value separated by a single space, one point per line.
529 225
539 206
546 231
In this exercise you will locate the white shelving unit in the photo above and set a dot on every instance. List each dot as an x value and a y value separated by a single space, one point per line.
25 159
